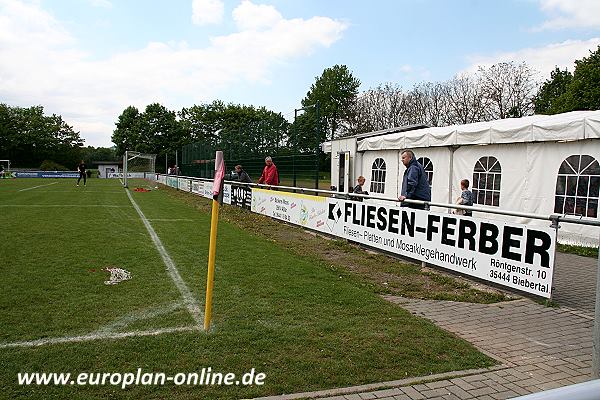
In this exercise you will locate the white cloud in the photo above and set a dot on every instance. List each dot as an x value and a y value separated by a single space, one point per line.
250 16
101 3
42 65
571 14
541 59
205 12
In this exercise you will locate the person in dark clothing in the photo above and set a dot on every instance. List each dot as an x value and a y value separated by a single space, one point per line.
465 199
358 189
415 185
242 175
82 173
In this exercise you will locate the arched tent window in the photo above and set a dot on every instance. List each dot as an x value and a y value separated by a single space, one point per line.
428 167
577 186
487 176
378 176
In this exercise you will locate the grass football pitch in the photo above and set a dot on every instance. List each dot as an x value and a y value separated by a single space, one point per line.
288 316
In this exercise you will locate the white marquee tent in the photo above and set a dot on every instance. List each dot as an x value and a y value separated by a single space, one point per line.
542 164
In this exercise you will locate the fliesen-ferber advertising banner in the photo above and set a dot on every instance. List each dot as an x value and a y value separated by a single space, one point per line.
513 255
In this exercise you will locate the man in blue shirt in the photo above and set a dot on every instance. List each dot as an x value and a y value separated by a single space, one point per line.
415 185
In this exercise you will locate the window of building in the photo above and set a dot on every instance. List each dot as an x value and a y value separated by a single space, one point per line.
428 167
577 186
378 176
487 176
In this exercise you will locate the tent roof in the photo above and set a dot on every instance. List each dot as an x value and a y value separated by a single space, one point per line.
575 125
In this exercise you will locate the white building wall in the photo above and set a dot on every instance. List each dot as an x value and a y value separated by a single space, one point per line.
343 145
529 173
391 177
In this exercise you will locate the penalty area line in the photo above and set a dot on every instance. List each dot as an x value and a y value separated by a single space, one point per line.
192 305
39 186
87 338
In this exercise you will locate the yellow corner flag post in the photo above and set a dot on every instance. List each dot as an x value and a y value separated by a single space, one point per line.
212 248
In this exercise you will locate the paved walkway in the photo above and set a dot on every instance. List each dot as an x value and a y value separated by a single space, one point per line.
539 347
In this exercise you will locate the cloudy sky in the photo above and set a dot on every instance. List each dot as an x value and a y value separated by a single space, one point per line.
89 59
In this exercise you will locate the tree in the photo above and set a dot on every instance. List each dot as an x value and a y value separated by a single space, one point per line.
336 90
509 88
27 137
583 92
239 130
127 134
550 99
466 100
160 132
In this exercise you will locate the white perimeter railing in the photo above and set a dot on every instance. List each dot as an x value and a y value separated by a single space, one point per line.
588 390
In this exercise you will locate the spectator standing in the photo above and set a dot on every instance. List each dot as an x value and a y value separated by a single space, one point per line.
269 176
415 185
242 175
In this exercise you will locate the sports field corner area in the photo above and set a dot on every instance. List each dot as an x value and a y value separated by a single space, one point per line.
292 315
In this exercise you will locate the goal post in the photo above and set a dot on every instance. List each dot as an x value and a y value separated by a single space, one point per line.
137 165
4 168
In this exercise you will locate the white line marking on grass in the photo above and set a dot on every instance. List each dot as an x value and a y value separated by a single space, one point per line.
171 220
63 205
96 336
136 316
35 187
191 304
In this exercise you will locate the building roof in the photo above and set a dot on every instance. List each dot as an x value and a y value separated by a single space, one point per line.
571 126
326 146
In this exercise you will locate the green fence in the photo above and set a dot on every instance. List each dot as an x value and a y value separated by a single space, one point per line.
294 169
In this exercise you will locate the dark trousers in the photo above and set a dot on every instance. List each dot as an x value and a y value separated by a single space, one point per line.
81 175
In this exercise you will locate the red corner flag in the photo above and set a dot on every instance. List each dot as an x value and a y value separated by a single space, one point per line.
219 177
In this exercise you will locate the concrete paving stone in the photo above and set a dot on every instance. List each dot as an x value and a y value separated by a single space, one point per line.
521 391
509 394
549 385
387 393
459 392
451 397
533 388
420 387
402 397
434 393
438 384
558 376
462 384
412 393
367 396
473 378
354 396
479 384
482 391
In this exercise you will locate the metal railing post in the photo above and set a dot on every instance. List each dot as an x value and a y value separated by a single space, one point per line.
596 332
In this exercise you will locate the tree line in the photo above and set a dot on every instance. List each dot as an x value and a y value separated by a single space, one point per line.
31 139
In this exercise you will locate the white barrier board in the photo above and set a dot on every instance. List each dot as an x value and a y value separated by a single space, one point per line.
512 255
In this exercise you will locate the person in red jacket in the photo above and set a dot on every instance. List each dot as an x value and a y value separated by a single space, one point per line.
269 176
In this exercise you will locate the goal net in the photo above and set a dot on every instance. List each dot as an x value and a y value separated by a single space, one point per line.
137 166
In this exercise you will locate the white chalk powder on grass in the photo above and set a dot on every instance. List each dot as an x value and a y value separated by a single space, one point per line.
117 275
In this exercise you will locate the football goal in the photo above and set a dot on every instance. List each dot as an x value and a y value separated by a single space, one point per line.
137 165
4 168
